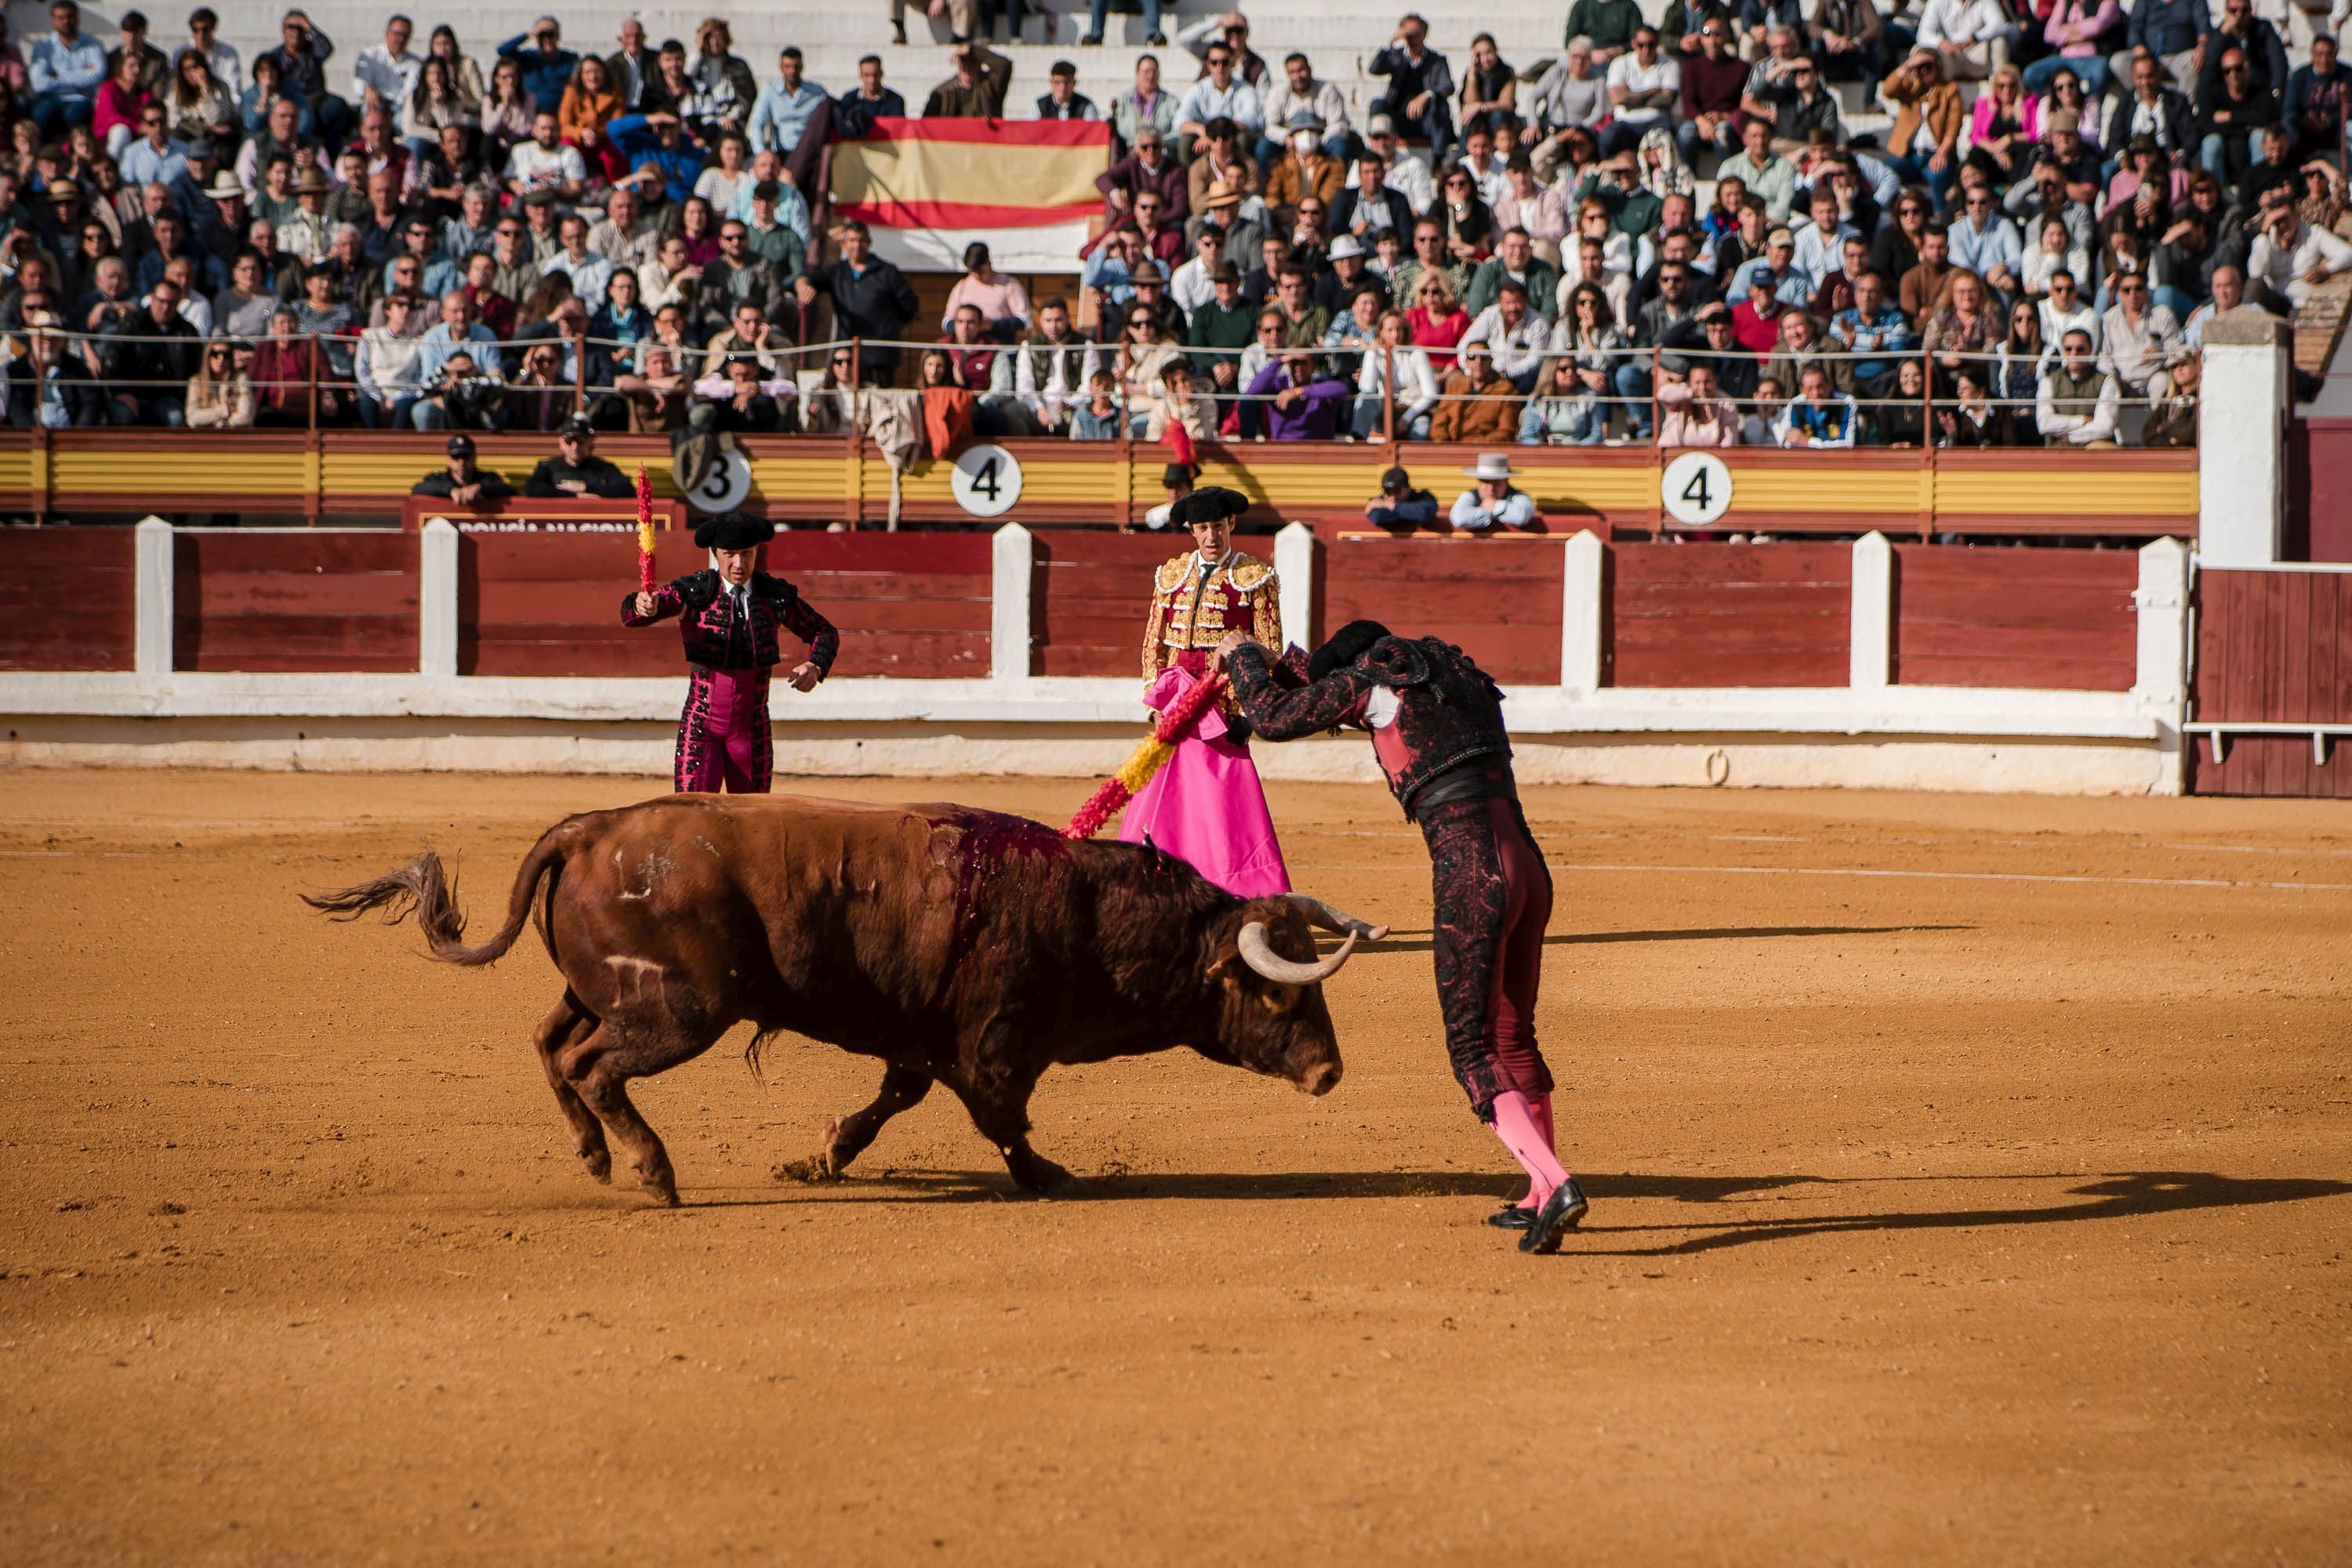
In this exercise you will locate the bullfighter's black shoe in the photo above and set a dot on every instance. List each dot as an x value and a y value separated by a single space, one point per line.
1511 1216
1556 1219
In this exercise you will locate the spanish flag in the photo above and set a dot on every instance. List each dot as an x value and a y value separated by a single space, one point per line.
929 187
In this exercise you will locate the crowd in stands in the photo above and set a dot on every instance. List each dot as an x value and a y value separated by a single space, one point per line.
1666 233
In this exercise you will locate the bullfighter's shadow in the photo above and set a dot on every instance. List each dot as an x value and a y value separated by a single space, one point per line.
1415 939
2116 1196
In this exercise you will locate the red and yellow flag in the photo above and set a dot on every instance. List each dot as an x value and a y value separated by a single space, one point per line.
929 187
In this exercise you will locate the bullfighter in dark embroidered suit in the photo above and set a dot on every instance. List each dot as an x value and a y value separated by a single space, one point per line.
1436 724
731 615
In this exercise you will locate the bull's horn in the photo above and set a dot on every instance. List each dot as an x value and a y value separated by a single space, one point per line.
1333 920
1259 954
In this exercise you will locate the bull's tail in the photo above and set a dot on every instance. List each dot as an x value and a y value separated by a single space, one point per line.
423 886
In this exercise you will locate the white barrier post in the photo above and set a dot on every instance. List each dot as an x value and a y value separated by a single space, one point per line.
2242 411
1579 615
1870 637
1012 558
2161 683
1294 573
153 567
436 600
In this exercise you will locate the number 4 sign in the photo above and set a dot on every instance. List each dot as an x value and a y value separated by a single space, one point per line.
987 480
1696 489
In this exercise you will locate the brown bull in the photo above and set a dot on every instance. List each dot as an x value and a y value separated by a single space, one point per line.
962 947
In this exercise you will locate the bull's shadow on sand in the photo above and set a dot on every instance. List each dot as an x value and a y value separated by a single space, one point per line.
1418 940
2073 1198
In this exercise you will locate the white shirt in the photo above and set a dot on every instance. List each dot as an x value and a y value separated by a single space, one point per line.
1961 22
1407 173
393 76
1238 103
1191 288
1320 97
1518 509
1516 350
2284 269
2056 323
1628 72
536 166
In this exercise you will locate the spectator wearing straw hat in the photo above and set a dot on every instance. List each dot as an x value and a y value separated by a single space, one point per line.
1492 499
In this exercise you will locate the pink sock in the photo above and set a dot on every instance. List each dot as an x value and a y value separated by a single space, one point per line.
1542 1106
1515 1125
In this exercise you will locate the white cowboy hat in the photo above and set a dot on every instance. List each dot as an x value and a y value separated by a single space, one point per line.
1494 466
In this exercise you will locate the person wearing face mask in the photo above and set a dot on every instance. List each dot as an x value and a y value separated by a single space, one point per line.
1306 170
730 615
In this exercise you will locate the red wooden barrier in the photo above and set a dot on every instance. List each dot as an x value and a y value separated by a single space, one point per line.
913 605
2016 617
2319 504
65 598
1498 598
1729 615
293 601
1090 593
2272 648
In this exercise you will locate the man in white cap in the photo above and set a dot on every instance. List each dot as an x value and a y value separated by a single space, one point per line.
1493 498
1404 171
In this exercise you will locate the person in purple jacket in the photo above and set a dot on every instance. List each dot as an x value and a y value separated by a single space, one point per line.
731 615
1306 406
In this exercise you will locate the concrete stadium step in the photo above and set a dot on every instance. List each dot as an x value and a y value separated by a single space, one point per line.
1341 40
1338 38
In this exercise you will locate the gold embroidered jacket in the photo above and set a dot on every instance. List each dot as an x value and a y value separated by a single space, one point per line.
1191 614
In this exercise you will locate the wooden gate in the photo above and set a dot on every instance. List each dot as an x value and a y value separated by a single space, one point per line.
2270 694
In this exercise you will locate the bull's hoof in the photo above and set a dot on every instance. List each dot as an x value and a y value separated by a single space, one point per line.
663 1191
1036 1174
597 1162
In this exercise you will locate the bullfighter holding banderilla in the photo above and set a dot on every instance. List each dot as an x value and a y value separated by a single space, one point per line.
1436 725
1206 807
731 615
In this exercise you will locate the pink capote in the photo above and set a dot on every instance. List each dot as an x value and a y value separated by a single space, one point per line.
1205 805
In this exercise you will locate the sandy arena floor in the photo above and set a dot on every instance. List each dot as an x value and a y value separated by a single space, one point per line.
1971 1179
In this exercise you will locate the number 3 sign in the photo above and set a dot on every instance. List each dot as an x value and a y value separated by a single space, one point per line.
987 480
726 487
1696 489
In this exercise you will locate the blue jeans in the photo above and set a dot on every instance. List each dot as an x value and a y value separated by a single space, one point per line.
2213 156
57 113
430 416
1632 380
1367 422
1912 170
2091 70
1726 139
1437 125
378 415
1101 9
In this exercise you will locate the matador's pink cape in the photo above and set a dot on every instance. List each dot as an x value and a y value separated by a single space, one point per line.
1206 807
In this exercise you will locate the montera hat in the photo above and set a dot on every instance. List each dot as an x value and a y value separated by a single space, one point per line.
733 531
1207 504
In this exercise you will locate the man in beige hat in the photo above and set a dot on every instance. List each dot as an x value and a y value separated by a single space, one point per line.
1493 498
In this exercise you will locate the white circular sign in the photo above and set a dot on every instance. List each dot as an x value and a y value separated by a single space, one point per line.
725 486
1696 489
987 480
